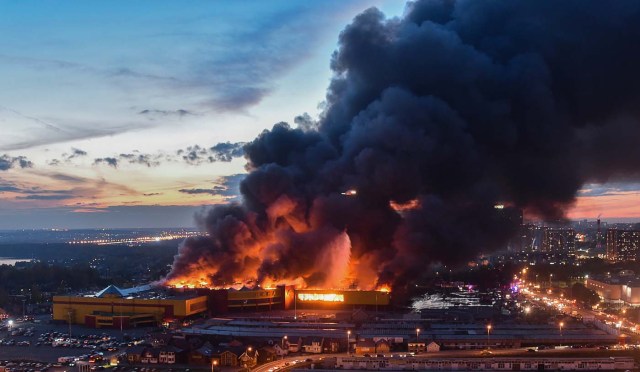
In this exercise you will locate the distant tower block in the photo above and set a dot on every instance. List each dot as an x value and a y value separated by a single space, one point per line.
599 236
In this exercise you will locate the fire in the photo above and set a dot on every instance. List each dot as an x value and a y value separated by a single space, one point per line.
287 248
323 297
401 207
384 288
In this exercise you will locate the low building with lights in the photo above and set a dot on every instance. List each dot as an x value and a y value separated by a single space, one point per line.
124 308
221 301
622 289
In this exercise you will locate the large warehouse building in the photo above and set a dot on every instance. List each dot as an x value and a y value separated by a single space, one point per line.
117 308
282 297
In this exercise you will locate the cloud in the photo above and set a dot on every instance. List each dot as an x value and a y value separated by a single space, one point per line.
231 59
67 157
609 189
131 158
7 162
112 162
8 187
75 153
226 151
264 49
226 186
66 177
26 131
36 193
216 190
223 151
45 197
153 113
194 155
144 159
231 184
152 194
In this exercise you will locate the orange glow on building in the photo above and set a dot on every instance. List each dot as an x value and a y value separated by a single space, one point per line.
324 297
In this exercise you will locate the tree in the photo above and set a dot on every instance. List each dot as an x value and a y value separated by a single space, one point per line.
584 295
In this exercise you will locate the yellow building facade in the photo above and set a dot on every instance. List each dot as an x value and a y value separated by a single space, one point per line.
114 311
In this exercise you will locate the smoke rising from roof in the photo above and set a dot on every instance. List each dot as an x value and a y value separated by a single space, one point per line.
455 107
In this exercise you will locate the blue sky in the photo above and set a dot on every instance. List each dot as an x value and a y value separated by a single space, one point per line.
104 102
132 113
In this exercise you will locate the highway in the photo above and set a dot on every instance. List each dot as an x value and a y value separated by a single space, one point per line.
300 361
294 361
569 308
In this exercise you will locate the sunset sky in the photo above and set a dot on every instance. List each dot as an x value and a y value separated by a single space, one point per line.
133 114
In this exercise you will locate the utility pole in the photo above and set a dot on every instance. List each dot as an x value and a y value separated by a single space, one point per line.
69 322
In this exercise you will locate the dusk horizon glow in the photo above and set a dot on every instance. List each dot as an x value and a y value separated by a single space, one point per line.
136 114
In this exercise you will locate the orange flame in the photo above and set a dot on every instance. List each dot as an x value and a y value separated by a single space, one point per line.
384 288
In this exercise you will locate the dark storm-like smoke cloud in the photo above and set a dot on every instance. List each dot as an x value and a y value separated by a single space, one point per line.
457 106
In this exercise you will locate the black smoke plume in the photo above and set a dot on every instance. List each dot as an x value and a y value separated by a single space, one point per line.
453 108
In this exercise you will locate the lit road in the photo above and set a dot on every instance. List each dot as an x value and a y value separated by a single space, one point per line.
568 307
299 361
295 361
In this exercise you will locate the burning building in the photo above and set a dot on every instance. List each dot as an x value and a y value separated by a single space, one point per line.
230 300
430 121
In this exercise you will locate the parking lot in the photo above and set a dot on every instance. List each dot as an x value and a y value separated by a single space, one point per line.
38 340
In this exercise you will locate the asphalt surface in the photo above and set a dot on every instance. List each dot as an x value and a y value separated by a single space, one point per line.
47 353
287 363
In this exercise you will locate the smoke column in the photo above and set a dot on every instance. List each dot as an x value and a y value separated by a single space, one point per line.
454 107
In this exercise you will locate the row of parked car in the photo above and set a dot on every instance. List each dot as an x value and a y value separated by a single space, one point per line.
95 342
18 366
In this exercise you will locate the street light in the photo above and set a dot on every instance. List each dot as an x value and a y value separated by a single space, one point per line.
348 338
284 338
488 336
561 325
417 334
214 364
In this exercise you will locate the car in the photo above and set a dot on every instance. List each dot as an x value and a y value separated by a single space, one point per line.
531 350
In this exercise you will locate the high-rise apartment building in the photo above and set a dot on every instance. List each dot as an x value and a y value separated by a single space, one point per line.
558 240
623 245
